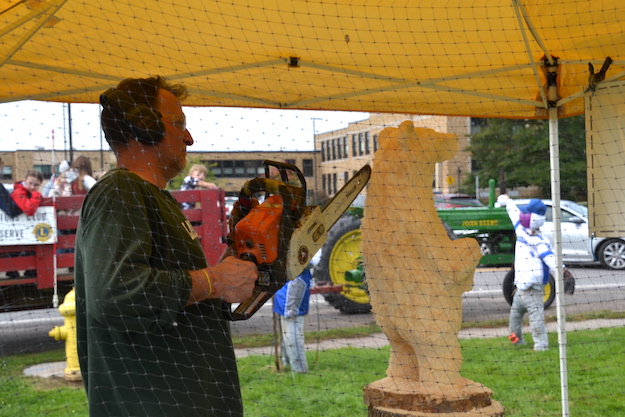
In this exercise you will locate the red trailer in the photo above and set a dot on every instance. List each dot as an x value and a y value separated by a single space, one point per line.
56 222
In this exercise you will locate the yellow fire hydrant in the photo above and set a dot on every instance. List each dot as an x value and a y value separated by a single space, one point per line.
67 332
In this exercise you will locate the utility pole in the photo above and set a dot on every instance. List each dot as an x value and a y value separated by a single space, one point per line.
69 130
315 165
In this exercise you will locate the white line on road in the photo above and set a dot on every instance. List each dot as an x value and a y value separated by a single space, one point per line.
31 321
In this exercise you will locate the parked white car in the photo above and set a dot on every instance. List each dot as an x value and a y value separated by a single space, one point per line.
229 202
577 246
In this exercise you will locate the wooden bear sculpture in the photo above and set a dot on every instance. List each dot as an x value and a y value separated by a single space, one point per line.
416 275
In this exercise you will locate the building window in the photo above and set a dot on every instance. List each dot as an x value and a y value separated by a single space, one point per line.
339 148
215 168
361 145
323 183
254 168
227 168
345 177
375 143
367 149
478 124
333 149
345 147
308 168
323 151
7 173
239 168
46 170
354 147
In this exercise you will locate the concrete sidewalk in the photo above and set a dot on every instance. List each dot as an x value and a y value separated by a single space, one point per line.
376 340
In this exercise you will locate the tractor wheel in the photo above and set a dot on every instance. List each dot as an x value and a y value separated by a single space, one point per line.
341 253
509 289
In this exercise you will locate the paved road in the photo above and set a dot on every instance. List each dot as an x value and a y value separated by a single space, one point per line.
597 289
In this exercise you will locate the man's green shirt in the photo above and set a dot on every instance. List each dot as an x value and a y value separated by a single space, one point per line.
142 351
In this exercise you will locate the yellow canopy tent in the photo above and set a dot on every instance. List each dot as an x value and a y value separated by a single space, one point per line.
482 58
478 58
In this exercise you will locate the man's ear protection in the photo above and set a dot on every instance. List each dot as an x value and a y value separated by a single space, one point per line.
144 122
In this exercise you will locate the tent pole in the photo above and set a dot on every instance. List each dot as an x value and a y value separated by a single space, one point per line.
554 153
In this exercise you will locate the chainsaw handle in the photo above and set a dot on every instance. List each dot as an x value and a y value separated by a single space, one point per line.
253 186
266 286
284 168
257 185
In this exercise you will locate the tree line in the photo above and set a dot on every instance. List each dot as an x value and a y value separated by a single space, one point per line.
516 154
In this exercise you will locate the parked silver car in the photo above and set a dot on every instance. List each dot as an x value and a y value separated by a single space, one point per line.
577 246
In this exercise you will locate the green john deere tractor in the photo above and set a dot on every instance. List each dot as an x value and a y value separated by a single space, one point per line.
341 262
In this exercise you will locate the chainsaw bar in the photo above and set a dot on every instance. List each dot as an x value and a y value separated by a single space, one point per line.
312 229
301 232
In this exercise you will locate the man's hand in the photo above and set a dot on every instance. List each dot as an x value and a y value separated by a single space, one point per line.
233 279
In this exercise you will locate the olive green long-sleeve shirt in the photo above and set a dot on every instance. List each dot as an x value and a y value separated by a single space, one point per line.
142 351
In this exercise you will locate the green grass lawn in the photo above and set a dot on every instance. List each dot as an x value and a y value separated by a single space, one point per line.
527 383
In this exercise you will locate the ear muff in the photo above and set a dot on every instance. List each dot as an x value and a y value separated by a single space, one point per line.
144 122
524 219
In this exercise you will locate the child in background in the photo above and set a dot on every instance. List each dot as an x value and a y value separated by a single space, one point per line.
27 197
195 179
291 302
26 194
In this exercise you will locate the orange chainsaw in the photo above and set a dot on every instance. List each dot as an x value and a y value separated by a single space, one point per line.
282 234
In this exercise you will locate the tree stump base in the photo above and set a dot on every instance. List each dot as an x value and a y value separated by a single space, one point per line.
390 397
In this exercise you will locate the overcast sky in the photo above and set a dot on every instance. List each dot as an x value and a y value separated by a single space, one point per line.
29 124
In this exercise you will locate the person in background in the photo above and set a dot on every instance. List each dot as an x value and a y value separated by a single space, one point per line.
26 193
48 190
7 205
195 179
27 197
151 334
77 180
291 302
533 262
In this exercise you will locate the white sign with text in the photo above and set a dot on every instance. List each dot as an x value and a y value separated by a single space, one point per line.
28 230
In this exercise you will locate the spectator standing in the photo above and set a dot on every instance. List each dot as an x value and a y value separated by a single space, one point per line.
291 302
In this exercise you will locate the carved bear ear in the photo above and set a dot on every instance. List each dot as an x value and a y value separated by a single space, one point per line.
386 140
395 138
